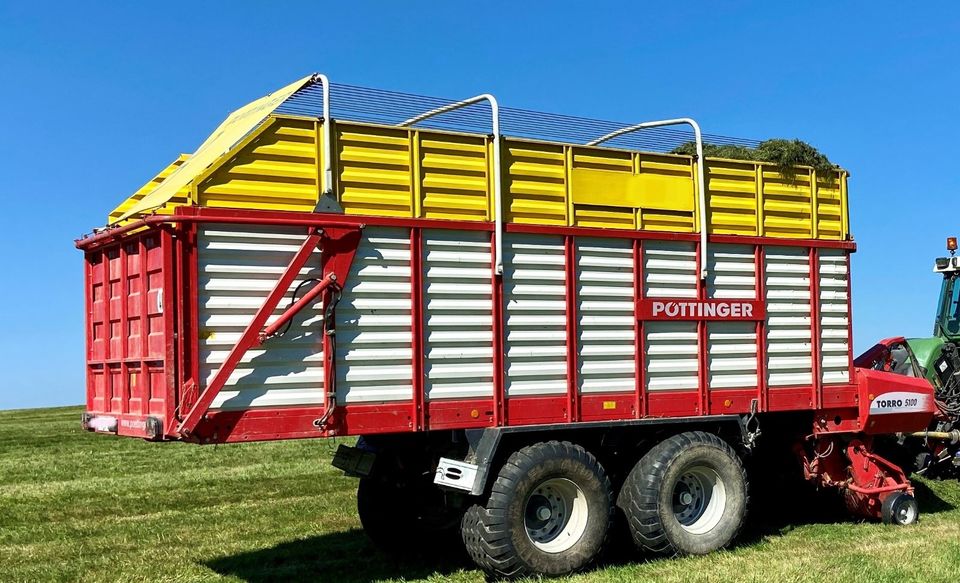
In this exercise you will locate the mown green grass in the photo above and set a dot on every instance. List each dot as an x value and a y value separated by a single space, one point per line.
78 506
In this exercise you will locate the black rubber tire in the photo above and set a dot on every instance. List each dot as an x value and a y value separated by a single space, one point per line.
397 522
647 494
893 507
495 535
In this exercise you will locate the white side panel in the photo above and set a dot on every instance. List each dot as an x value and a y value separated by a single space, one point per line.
789 335
605 315
732 346
670 270
457 279
535 311
374 331
834 314
237 268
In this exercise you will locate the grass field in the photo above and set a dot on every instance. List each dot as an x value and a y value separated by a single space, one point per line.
78 506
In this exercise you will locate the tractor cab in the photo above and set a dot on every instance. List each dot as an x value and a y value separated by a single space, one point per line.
947 324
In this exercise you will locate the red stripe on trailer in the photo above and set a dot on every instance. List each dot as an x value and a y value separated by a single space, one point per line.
673 403
702 362
194 282
608 406
537 410
790 398
416 320
848 260
499 392
166 248
839 396
460 414
815 347
665 236
570 280
761 329
638 349
731 401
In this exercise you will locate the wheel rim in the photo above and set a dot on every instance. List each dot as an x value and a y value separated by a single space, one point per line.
555 515
906 513
699 499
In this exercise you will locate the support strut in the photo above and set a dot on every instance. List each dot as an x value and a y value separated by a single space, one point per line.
338 245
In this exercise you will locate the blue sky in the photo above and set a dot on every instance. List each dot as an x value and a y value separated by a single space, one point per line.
96 99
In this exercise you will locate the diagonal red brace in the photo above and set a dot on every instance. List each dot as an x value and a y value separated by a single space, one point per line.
340 245
290 312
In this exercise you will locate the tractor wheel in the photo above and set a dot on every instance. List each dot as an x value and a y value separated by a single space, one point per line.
900 509
687 495
548 513
405 518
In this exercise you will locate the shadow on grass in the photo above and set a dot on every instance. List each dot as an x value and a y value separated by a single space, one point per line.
340 556
350 556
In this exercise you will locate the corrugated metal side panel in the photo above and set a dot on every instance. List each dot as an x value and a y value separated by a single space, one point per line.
454 175
834 317
374 321
535 315
276 170
182 197
786 205
458 348
237 268
830 209
605 314
731 346
598 183
669 180
535 183
670 270
788 316
375 170
732 189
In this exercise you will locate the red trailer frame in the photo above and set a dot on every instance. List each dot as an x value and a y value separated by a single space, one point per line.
184 413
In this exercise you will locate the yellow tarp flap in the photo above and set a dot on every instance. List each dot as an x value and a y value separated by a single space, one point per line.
233 129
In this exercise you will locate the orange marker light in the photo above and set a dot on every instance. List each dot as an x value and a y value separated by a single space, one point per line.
951 243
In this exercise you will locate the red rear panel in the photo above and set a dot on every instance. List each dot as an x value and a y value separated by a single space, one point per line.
129 328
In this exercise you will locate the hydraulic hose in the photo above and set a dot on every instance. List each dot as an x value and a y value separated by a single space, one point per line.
952 436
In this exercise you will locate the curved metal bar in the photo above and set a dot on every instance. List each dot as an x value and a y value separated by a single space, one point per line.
327 134
497 200
701 181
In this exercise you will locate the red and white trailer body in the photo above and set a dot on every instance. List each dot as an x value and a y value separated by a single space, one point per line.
584 325
635 341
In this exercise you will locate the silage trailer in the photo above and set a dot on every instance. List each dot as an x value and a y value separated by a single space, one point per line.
534 323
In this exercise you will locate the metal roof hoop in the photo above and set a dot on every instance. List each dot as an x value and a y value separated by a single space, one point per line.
497 202
327 134
701 182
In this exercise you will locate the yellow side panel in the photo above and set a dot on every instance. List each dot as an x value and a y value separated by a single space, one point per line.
454 174
535 183
277 170
672 221
374 174
732 190
786 205
667 183
830 209
181 197
603 217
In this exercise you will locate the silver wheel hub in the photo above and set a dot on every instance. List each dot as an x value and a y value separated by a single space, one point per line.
699 499
555 515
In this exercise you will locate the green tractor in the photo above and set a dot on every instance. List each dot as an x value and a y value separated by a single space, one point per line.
936 451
